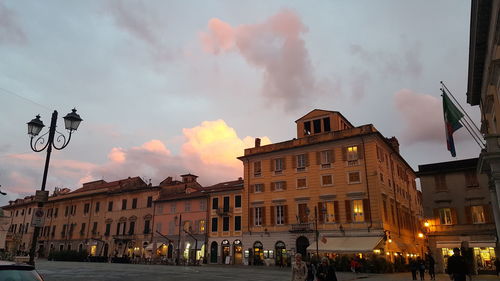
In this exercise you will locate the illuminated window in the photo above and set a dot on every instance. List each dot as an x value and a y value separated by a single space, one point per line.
445 216
329 211
202 225
477 214
357 206
352 153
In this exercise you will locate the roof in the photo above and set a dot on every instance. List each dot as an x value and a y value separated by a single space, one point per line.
326 111
174 196
447 167
225 186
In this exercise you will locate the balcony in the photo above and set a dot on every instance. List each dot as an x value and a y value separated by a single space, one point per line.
224 211
305 227
462 229
124 237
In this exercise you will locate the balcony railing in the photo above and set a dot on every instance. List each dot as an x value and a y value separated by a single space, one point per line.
124 237
302 227
224 211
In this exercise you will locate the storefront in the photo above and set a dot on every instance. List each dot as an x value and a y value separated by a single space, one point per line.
237 252
484 258
226 252
280 250
258 253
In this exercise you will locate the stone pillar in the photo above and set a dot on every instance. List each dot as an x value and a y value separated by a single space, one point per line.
495 206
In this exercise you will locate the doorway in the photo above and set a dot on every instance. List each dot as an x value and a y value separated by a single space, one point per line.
301 245
213 252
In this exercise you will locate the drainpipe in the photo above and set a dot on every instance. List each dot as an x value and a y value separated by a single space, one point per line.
205 259
395 194
248 196
367 186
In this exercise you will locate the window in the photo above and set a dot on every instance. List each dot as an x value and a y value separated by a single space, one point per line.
259 187
187 206
317 126
237 201
97 206
73 210
131 229
172 208
354 177
445 216
225 224
279 165
202 226
134 203
301 162
159 226
301 183
326 124
53 233
357 206
237 223
146 226
329 209
203 205
66 211
280 215
171 227
258 216
279 185
352 153
471 179
214 224
86 208
124 204
257 168
440 182
307 128
226 204
326 180
477 214
108 229
159 209
326 158
149 204
215 203
29 211
55 213
94 228
82 230
110 206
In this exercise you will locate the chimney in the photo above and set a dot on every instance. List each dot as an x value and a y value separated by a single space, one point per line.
394 142
257 142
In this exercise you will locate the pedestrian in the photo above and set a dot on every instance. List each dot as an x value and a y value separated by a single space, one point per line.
421 268
413 269
299 269
457 266
326 271
354 266
497 265
431 264
311 271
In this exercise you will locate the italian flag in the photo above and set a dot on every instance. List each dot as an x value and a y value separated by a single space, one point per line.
452 118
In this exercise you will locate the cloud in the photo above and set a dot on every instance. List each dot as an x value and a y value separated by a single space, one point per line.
275 46
10 31
422 116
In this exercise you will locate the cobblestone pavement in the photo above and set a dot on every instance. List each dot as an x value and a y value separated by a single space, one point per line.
76 271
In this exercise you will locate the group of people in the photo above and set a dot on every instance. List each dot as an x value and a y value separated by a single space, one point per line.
302 271
420 265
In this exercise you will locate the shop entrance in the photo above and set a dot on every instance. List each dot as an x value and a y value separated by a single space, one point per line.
280 249
238 252
213 252
226 252
301 245
106 250
258 253
484 258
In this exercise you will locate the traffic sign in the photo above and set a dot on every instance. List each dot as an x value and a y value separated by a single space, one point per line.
38 217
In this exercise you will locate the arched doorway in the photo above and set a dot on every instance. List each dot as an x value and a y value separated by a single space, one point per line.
258 253
301 245
213 252
237 251
280 249
170 250
106 250
226 252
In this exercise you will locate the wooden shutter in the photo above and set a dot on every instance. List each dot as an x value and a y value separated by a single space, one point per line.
336 210
285 213
294 161
366 209
318 157
437 219
360 152
307 159
252 188
320 212
272 215
263 187
263 215
468 214
272 186
283 185
271 167
332 156
344 153
348 214
284 163
487 213
250 217
453 216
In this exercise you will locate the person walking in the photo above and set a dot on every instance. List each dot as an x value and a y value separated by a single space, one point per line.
457 266
299 269
497 265
311 271
431 265
326 271
413 269
421 268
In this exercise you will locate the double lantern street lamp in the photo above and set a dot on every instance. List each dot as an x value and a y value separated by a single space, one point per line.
323 212
71 121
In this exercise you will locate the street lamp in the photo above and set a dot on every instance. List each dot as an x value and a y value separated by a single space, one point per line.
71 121
323 211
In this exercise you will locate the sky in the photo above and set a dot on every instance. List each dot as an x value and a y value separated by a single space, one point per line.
173 87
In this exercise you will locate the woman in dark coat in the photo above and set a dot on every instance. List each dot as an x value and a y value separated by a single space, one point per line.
325 271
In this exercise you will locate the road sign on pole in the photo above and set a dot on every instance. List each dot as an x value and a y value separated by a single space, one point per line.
38 218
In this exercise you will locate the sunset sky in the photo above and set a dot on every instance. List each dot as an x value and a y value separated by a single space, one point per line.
173 87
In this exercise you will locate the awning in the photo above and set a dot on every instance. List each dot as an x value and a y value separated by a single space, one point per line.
482 244
346 244
448 244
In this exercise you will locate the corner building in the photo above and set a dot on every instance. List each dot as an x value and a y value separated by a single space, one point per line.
348 184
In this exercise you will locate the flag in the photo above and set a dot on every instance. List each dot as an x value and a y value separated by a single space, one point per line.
452 117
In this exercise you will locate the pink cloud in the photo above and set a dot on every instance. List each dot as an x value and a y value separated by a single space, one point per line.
277 47
422 115
10 31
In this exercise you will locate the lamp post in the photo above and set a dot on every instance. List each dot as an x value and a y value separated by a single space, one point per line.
71 121
323 211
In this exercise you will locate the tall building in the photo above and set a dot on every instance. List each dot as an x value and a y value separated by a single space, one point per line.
458 213
483 89
20 233
348 184
4 228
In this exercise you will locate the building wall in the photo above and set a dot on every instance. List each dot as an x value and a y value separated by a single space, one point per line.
20 233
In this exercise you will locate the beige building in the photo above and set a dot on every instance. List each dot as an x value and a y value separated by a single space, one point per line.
348 183
20 232
4 228
458 213
225 216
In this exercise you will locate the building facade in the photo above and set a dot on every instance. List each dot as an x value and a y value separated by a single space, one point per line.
20 233
458 213
225 229
4 228
348 184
